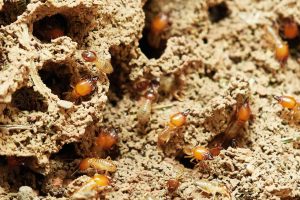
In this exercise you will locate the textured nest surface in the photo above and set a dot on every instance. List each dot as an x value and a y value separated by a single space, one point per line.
215 55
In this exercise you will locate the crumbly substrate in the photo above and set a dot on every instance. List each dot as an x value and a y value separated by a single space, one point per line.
216 56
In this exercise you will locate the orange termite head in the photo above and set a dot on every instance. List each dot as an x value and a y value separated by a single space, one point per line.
84 87
159 23
172 185
107 139
290 29
84 164
215 151
282 53
201 153
101 180
89 56
179 119
286 101
244 112
142 85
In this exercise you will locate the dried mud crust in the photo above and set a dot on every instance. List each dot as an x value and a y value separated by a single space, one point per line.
222 60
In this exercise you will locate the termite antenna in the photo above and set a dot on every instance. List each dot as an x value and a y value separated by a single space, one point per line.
276 97
74 172
186 112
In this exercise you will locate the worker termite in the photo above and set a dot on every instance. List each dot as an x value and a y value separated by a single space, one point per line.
213 187
281 48
97 183
237 122
290 103
83 88
106 139
201 153
158 25
97 164
290 29
176 121
144 112
174 183
102 65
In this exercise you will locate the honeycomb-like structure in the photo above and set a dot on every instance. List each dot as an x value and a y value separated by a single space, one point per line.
214 55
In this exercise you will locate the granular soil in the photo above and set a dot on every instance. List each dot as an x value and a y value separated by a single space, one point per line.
214 56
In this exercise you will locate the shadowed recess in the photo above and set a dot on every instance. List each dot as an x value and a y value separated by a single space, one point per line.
56 77
49 28
28 99
218 12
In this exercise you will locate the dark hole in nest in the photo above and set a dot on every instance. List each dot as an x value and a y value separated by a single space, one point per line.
210 72
28 99
11 10
114 153
57 77
118 79
218 12
67 152
20 174
186 162
30 178
115 93
51 27
149 51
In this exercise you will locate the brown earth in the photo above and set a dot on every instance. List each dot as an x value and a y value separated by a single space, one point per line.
213 56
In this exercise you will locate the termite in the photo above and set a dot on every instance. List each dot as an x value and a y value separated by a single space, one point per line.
237 122
290 103
213 187
201 153
144 112
97 183
106 139
290 29
141 85
174 183
281 48
98 164
83 88
102 65
158 25
176 121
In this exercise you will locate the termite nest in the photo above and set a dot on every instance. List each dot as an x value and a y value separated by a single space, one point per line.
105 99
